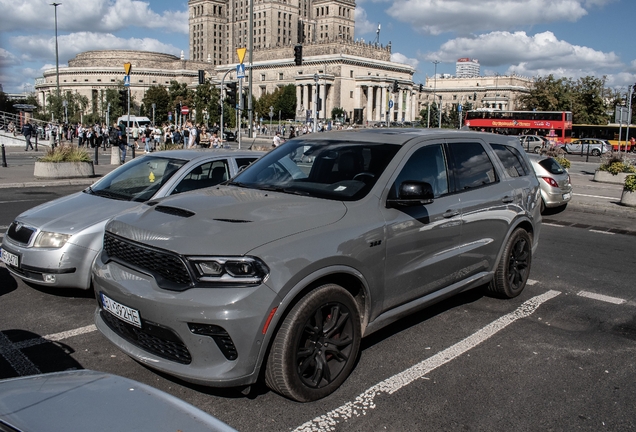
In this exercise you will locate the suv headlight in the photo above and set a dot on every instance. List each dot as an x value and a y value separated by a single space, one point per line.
51 240
230 270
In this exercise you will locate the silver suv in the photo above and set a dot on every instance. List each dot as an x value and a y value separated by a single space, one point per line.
324 240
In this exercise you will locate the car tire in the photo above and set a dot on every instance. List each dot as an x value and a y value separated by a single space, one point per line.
542 209
514 267
596 152
322 329
537 149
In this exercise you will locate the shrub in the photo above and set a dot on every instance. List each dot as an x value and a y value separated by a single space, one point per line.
630 183
617 167
66 153
565 163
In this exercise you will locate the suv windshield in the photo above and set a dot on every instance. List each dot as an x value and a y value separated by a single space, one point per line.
344 171
138 180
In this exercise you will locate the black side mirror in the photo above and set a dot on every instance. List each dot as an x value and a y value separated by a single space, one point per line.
412 193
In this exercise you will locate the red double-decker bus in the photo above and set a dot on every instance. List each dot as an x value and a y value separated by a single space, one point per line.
554 125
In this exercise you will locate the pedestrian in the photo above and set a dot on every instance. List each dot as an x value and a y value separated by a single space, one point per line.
122 144
632 143
27 131
135 135
292 132
276 140
192 135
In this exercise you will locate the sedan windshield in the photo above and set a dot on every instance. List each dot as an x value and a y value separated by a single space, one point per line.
344 171
138 180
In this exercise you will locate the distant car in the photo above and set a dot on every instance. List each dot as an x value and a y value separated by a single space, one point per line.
85 400
593 146
229 136
55 243
533 143
556 188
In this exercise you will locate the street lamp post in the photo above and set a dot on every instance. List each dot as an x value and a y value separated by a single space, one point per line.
57 58
435 62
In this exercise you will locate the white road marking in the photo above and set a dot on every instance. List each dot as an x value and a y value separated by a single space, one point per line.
21 363
366 400
550 224
531 282
595 196
18 361
17 201
602 232
601 297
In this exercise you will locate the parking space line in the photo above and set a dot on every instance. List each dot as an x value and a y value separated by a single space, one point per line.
551 224
602 232
16 358
366 401
594 196
601 297
19 362
531 282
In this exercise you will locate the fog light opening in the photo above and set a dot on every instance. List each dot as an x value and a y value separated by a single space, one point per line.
49 278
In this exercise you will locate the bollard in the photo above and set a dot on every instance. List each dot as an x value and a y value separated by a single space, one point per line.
4 157
96 161
36 141
133 151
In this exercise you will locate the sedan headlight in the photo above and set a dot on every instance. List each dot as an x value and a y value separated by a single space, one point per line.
230 270
51 240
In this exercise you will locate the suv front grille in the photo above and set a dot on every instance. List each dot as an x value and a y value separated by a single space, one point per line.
153 338
21 235
169 269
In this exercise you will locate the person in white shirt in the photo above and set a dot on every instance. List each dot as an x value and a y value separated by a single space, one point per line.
192 139
276 140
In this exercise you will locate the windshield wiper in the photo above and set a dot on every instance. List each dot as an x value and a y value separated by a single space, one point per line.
239 184
282 189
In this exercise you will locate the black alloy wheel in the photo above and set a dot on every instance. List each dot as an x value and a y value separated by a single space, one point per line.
514 267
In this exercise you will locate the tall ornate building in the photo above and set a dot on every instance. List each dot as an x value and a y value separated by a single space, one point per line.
219 27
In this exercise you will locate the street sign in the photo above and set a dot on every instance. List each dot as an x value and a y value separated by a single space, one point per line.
185 110
621 115
240 71
459 107
390 104
240 52
127 68
126 80
169 115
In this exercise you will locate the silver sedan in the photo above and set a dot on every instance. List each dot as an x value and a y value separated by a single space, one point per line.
556 188
55 243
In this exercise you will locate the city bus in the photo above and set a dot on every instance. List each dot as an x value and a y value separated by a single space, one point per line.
554 125
607 132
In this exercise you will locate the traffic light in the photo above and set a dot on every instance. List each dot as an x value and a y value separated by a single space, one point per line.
421 88
123 98
201 76
395 87
230 93
298 54
475 97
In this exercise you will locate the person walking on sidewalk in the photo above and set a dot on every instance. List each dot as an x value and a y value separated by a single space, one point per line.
27 131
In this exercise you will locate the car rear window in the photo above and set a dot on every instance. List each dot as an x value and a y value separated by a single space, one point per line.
511 159
551 166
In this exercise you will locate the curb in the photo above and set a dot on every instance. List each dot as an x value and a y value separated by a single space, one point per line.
45 183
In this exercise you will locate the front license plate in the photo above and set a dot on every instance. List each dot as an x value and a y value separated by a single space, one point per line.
10 259
567 196
124 313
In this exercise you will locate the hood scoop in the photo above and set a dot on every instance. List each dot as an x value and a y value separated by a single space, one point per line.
175 211
233 220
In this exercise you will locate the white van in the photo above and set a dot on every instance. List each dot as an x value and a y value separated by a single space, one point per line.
140 122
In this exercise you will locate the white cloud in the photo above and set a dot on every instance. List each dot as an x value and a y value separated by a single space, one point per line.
39 48
94 15
541 54
363 25
7 59
401 58
468 16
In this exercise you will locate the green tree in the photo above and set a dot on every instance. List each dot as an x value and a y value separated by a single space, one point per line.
549 94
588 105
338 113
159 96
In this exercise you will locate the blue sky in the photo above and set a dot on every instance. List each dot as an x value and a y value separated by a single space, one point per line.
567 38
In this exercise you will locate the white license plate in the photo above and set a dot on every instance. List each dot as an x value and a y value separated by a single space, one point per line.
567 196
124 313
9 258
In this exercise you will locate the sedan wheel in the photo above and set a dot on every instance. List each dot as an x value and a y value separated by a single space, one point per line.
596 152
514 268
316 346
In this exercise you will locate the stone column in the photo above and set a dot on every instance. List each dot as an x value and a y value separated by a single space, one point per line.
306 98
369 103
407 106
299 101
377 103
323 105
383 101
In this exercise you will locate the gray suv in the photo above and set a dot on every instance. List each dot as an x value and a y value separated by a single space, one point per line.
324 240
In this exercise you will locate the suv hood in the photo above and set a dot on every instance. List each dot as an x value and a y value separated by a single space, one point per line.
224 220
73 213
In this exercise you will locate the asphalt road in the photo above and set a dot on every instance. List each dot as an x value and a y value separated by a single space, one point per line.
559 357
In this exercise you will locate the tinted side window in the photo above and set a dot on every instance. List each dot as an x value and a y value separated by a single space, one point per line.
427 164
244 161
511 160
471 166
205 175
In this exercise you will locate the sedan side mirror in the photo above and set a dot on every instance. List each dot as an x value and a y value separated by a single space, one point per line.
412 193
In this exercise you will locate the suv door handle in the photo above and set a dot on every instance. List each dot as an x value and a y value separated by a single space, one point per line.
507 199
450 213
